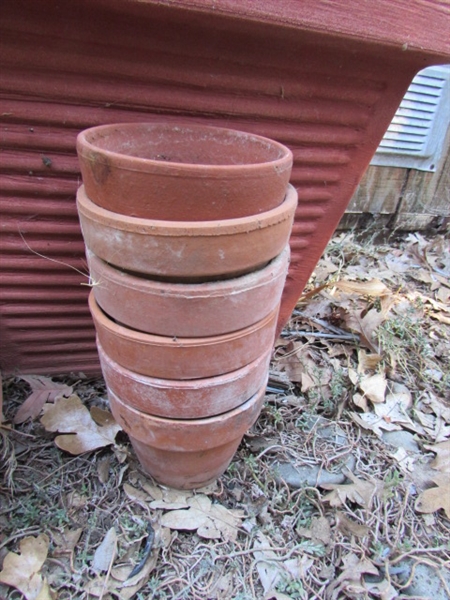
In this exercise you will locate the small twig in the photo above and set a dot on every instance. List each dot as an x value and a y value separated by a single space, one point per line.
190 582
275 390
417 551
313 292
232 555
321 322
328 336
59 563
60 468
11 430
20 534
268 449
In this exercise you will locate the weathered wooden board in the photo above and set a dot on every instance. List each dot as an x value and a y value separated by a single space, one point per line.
404 199
379 191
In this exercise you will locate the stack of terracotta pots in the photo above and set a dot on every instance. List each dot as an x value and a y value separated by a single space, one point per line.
186 231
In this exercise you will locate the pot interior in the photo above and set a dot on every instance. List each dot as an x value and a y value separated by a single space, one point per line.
185 144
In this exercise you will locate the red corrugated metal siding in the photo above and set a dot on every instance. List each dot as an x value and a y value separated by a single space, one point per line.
392 22
68 66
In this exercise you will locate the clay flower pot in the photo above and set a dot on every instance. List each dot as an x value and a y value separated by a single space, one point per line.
182 172
190 309
191 399
182 358
190 453
186 251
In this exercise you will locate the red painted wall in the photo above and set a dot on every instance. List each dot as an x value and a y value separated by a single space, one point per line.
293 71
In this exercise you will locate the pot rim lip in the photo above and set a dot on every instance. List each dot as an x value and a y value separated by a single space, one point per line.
183 384
223 417
86 148
149 339
139 225
269 273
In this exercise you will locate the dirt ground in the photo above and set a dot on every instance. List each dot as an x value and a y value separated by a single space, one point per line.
340 490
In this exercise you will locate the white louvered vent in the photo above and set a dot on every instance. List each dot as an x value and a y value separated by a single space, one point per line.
416 135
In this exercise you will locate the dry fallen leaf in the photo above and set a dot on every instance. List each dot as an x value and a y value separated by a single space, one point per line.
368 362
437 406
106 552
349 527
119 581
443 295
351 577
135 495
119 584
374 387
366 326
434 426
44 390
442 460
300 366
103 466
374 288
361 402
318 531
65 541
21 571
404 460
211 521
398 264
82 433
274 595
75 500
270 571
381 589
394 409
291 364
360 491
324 268
166 498
169 499
435 498
374 423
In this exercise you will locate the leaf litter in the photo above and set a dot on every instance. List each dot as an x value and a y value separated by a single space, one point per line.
84 431
22 570
359 393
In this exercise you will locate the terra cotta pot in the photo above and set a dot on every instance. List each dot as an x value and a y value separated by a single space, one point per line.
182 358
186 251
185 399
182 172
188 309
190 453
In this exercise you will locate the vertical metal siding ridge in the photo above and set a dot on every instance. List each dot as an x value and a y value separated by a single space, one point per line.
324 123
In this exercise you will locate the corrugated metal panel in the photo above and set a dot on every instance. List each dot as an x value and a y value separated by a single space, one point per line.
74 65
405 24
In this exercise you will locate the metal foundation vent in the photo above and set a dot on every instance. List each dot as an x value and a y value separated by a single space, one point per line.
415 138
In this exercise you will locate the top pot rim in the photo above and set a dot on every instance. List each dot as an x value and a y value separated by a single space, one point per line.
89 150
